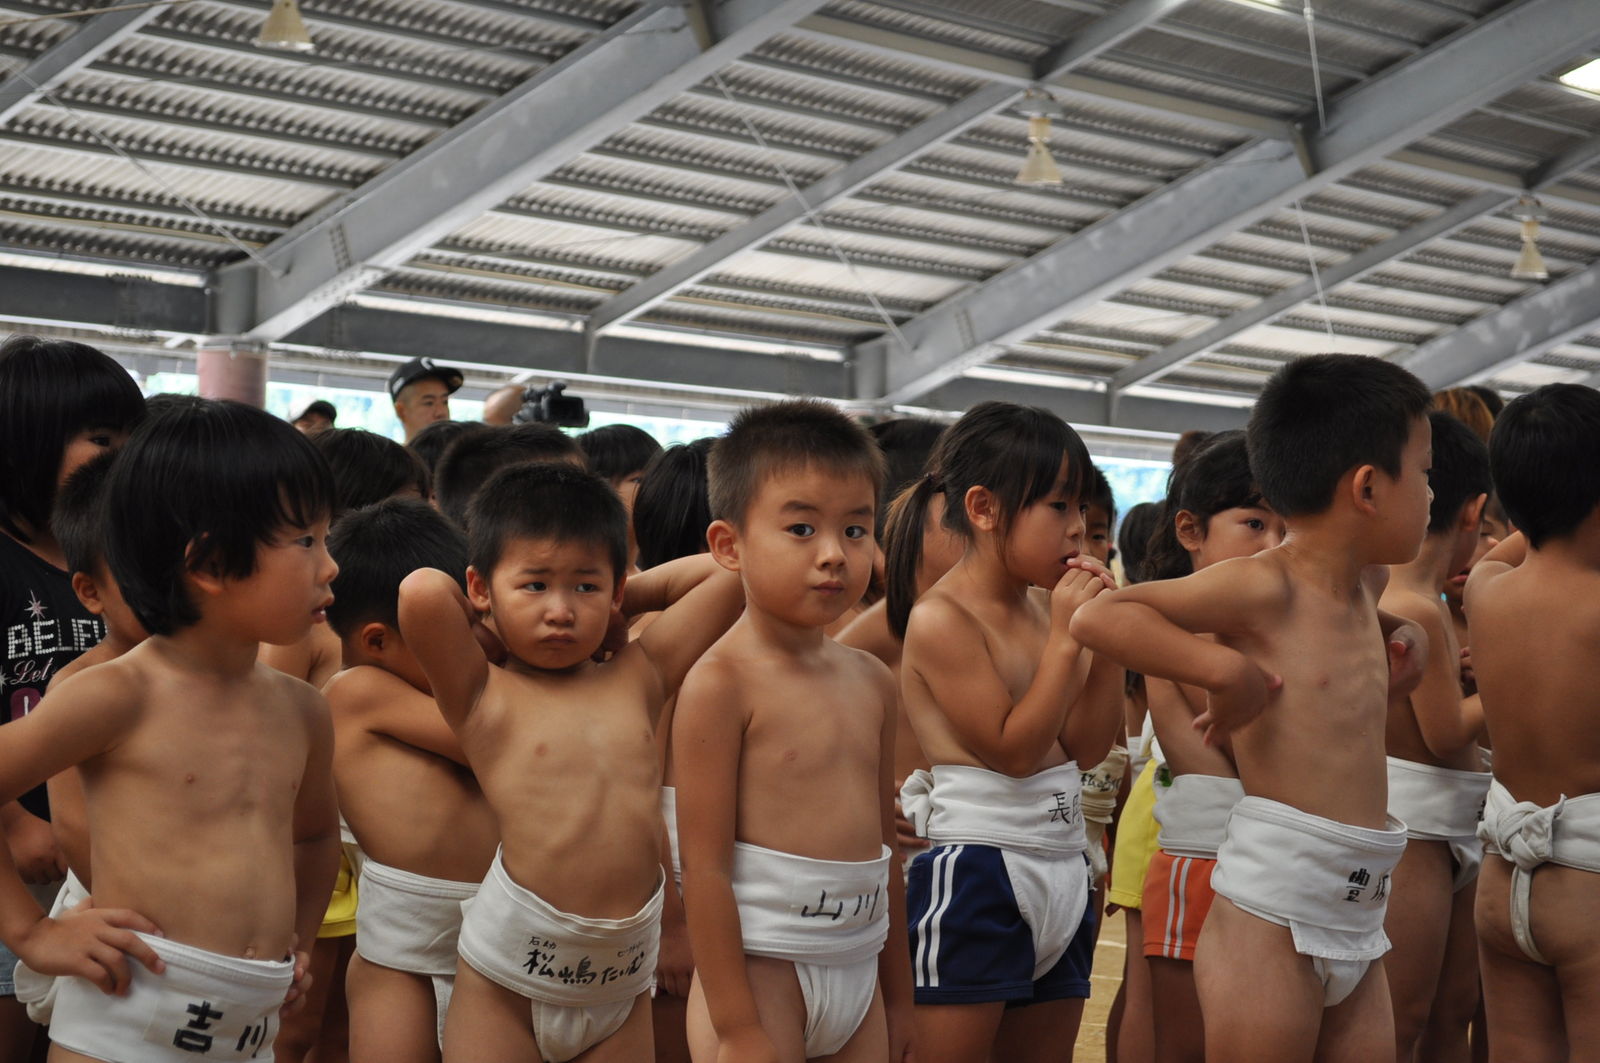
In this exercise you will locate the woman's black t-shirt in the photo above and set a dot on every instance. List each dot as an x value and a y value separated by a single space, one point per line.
46 627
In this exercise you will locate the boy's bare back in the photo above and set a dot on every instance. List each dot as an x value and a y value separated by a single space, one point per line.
182 771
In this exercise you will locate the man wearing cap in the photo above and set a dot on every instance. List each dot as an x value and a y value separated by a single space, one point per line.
421 390
318 417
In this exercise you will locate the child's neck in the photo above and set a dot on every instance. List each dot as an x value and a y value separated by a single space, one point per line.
985 569
205 649
780 634
1432 569
1319 550
1580 550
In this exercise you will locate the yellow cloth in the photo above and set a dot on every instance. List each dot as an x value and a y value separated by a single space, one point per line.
1136 841
340 921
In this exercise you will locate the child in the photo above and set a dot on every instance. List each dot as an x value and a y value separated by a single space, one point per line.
1213 512
1339 448
788 914
1004 705
1103 782
188 745
618 454
567 918
1534 603
61 403
404 786
1436 779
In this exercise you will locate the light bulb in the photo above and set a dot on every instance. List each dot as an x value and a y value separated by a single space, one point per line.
284 29
1530 264
1038 168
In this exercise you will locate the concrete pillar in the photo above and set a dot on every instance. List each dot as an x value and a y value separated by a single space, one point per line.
232 368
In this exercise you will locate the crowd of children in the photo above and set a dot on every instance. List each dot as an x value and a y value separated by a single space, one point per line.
807 742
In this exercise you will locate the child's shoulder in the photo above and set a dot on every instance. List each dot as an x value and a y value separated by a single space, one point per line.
859 663
277 689
364 686
941 614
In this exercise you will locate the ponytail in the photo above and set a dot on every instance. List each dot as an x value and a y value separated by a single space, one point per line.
902 546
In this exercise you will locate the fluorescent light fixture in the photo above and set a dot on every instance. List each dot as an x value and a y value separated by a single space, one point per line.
1007 375
102 269
1196 395
725 342
525 318
1585 77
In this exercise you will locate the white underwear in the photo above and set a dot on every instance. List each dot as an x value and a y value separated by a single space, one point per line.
1328 882
1193 812
1101 785
956 803
410 922
1441 805
1527 836
830 918
669 815
205 1006
580 974
38 991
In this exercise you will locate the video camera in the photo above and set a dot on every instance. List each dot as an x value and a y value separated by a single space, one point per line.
549 405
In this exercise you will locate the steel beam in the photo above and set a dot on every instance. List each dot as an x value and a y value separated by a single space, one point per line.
1523 329
46 71
1375 118
564 110
1090 408
948 122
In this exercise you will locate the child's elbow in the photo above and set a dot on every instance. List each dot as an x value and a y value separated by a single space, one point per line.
1088 621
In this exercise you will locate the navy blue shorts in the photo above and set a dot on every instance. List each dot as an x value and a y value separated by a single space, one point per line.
970 943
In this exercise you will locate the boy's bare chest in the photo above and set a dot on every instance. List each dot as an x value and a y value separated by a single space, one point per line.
224 765
1333 660
812 721
536 734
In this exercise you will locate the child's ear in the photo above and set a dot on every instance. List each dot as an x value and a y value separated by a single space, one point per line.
373 637
477 589
1191 530
723 539
83 586
207 575
616 593
1364 489
983 510
1472 514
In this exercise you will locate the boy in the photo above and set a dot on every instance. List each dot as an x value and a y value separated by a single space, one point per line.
1534 602
618 453
560 944
479 452
1436 778
404 786
190 749
789 912
1339 447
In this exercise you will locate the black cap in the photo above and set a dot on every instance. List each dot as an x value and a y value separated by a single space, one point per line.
320 408
420 369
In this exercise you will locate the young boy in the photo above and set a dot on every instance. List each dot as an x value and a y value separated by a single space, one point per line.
1436 781
1297 679
404 786
1534 603
789 912
191 750
481 451
560 944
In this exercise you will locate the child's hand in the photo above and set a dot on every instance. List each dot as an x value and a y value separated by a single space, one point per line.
295 999
905 835
93 944
34 851
494 651
1469 678
674 962
1085 577
1408 653
747 1045
1237 703
901 1033
616 634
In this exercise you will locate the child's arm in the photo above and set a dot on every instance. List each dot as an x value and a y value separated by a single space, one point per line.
89 714
381 703
1497 562
894 963
436 620
698 601
1155 628
1095 723
707 737
1448 722
1009 735
675 962
316 835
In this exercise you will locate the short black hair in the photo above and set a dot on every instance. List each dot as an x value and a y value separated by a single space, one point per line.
50 390
1097 492
1460 469
673 510
368 468
472 459
763 441
431 443
1133 539
1545 456
906 443
618 449
79 519
1320 416
376 548
204 483
545 500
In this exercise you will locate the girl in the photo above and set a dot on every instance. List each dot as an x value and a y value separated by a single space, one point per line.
1005 704
61 403
1213 512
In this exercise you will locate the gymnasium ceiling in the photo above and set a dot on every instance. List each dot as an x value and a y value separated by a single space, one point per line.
689 205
